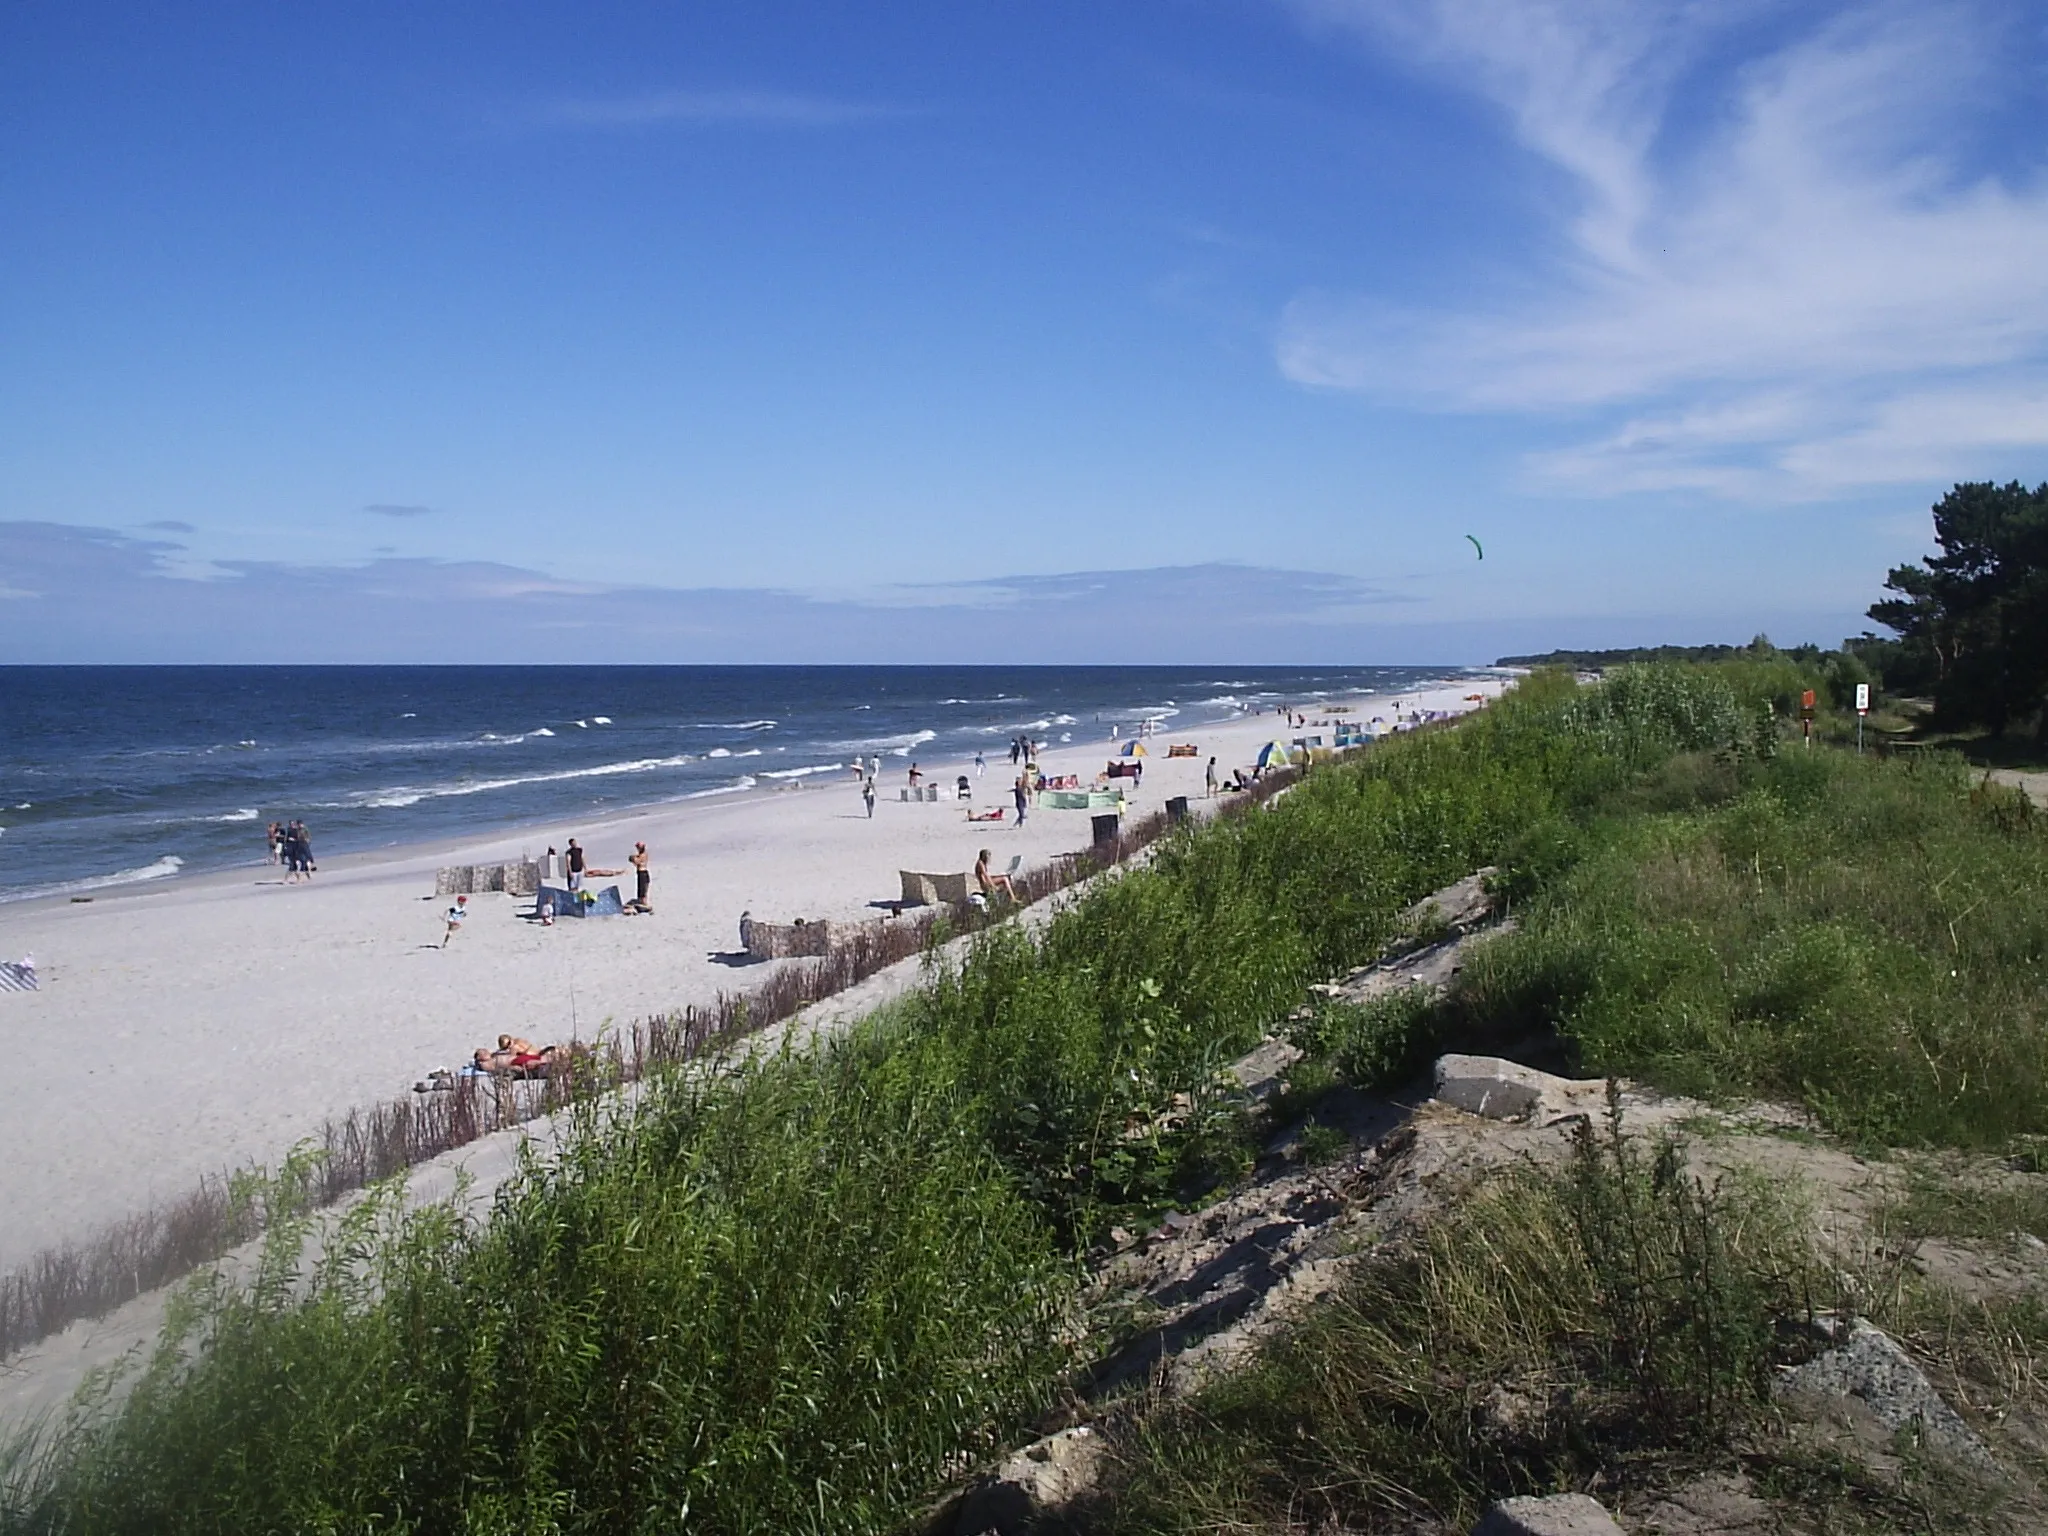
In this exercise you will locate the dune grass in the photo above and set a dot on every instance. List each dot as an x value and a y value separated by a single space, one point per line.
1867 937
1611 1323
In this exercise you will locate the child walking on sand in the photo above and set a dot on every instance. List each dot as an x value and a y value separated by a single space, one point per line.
454 917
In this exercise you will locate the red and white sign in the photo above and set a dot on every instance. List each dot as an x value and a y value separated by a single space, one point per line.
1863 698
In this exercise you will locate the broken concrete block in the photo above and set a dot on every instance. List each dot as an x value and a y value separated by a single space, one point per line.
1458 907
1045 1476
1489 1086
1561 1514
1867 1365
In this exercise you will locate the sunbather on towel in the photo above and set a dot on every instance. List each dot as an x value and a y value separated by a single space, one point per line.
517 1058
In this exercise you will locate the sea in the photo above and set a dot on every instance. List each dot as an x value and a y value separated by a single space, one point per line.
121 776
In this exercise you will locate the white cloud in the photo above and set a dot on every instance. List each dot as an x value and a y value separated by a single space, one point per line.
1802 289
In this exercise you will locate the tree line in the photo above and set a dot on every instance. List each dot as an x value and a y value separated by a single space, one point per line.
1969 624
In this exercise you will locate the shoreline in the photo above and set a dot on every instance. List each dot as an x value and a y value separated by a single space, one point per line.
193 1027
379 784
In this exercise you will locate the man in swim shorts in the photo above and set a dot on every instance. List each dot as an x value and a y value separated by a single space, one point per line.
642 878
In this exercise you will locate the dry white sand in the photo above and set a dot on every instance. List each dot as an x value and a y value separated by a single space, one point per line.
210 1023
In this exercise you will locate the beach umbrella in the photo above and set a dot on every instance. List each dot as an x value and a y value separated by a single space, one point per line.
1273 755
1134 748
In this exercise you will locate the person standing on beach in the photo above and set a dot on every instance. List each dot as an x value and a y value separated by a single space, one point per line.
1209 779
572 866
274 837
867 795
980 762
916 776
1016 749
454 917
1022 794
643 878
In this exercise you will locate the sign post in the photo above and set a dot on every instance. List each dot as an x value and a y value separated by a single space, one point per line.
1806 718
1862 709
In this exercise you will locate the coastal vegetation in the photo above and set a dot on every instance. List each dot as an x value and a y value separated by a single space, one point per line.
801 1291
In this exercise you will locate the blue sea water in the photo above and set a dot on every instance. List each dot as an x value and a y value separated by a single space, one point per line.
119 775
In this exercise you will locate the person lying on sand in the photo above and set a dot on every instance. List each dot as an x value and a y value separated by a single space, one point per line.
518 1058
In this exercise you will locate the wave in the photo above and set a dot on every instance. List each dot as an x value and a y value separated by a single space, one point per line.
895 746
404 795
600 719
162 869
739 725
745 781
543 731
246 813
719 752
804 773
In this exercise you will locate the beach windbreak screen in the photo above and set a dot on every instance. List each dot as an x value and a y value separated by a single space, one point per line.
113 776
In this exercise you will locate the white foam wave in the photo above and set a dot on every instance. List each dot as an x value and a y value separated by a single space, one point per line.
543 731
719 752
750 752
911 742
804 773
162 869
399 797
246 813
600 719
744 782
735 725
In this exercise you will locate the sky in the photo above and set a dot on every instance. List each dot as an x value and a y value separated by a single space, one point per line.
1176 330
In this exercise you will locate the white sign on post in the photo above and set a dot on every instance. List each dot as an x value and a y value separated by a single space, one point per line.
1863 698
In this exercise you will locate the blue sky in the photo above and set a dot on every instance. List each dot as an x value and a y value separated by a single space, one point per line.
853 333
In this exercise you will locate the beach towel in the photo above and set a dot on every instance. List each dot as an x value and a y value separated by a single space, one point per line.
604 903
18 978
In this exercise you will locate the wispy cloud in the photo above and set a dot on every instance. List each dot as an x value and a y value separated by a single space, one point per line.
764 109
171 525
1810 285
396 509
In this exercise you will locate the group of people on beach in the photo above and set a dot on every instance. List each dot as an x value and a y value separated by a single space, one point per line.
291 846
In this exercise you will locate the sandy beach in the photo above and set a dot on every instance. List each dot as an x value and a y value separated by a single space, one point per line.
208 1023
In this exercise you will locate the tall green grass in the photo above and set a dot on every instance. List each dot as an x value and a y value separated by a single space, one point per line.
1869 937
792 1297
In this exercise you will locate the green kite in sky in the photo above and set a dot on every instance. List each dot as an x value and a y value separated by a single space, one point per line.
1478 546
